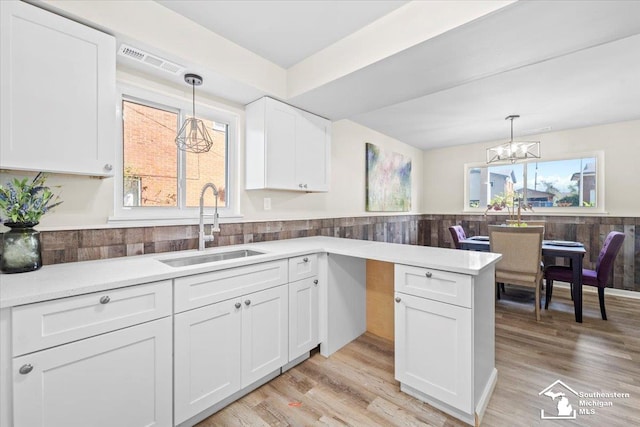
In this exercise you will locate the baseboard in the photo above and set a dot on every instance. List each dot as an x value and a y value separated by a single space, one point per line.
298 360
483 401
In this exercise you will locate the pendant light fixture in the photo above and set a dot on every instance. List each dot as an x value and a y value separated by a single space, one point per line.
513 151
193 135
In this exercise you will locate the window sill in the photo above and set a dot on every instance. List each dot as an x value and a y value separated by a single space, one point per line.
114 222
544 212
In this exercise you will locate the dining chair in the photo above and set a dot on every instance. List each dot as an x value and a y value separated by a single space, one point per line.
521 249
598 277
457 234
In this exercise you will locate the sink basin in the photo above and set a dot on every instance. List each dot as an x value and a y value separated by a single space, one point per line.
206 258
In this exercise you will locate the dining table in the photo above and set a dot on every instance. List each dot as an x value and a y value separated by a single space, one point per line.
573 251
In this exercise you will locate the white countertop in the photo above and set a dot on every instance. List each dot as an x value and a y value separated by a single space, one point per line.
63 280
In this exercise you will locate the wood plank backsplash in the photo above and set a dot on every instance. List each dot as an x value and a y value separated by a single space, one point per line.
425 230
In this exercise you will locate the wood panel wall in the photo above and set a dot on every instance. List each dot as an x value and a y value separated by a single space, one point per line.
426 230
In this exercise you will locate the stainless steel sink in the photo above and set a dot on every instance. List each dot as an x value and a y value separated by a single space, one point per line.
206 258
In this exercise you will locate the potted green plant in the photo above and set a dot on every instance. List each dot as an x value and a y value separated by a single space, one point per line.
22 204
513 203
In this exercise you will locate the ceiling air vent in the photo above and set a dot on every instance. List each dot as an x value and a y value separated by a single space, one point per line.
149 59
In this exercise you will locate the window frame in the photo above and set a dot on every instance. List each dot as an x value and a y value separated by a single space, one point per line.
180 214
555 210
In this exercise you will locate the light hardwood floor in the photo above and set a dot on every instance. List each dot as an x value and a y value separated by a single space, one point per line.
356 385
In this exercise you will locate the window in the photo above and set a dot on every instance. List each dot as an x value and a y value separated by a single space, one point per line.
158 181
568 183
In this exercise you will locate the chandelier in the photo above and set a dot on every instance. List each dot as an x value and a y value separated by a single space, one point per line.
193 135
513 151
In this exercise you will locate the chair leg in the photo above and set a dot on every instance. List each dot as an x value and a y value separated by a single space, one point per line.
547 299
502 287
538 302
498 290
601 298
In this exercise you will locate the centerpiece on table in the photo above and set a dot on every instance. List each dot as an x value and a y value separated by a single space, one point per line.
513 203
22 204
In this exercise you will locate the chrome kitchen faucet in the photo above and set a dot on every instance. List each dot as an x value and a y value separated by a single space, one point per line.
215 228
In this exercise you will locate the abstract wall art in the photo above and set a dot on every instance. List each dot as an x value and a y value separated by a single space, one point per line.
388 181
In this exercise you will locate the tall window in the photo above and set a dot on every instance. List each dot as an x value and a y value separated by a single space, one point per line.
157 179
556 183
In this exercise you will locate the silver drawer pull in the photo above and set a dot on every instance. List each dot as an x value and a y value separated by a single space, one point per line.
247 302
238 305
398 299
315 282
25 369
429 274
105 299
305 259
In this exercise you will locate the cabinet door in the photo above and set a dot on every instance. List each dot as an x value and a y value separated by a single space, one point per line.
265 330
280 137
57 111
303 316
122 378
433 349
312 152
206 357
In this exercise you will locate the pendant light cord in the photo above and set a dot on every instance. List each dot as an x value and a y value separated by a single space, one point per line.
193 97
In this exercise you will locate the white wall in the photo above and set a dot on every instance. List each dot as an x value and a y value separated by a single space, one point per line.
88 202
347 194
444 168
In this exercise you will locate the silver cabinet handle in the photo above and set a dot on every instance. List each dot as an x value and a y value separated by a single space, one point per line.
300 185
315 282
105 299
398 299
305 186
238 305
25 369
247 302
305 259
108 167
429 274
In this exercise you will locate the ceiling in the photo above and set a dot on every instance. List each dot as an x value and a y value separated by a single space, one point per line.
284 32
559 65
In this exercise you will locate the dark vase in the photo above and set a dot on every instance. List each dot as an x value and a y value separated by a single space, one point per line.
21 248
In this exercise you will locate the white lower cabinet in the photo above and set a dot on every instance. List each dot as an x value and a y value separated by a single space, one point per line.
265 333
433 349
445 338
206 357
303 316
120 378
224 347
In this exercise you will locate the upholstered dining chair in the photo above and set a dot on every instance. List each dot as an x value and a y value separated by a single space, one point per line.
598 277
457 234
521 249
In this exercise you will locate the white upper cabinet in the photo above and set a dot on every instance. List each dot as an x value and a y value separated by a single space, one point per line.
58 107
287 148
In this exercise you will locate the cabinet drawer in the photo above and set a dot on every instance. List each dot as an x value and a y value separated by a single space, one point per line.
208 288
437 285
303 267
51 323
